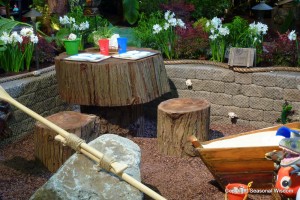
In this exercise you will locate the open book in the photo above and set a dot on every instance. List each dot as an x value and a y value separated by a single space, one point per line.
134 55
89 57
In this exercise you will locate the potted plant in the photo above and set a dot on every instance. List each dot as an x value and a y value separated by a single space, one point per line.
104 32
71 43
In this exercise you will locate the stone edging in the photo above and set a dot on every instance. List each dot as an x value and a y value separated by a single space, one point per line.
29 74
235 69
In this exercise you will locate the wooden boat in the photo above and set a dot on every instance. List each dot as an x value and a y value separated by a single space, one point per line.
241 164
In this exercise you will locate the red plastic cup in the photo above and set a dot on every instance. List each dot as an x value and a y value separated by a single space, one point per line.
236 191
104 46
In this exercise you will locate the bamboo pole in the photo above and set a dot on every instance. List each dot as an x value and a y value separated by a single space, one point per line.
115 167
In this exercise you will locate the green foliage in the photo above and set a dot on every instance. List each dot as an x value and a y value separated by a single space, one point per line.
7 25
155 6
131 10
144 29
287 23
209 8
285 113
102 32
238 31
201 22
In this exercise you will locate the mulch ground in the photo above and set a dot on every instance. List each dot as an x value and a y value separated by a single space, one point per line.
174 178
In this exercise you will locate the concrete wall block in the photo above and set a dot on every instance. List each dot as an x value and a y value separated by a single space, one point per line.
225 75
219 120
242 122
186 94
181 71
241 101
273 93
221 99
243 78
205 73
264 79
291 95
286 80
203 95
179 83
271 116
252 90
209 86
232 88
261 103
250 114
219 110
277 106
260 124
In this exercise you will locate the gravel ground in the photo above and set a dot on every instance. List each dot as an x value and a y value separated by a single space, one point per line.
174 178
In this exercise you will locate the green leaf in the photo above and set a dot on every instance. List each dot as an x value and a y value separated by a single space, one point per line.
131 10
7 25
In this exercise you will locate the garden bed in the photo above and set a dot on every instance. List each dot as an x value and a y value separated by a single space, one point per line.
175 178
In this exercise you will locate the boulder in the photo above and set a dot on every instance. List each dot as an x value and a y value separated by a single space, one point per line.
79 177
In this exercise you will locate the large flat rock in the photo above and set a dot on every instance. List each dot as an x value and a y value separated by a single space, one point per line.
78 178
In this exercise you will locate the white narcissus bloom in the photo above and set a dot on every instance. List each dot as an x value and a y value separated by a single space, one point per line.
292 35
72 36
207 24
34 39
84 25
166 26
75 27
72 20
64 20
213 37
15 37
26 32
232 115
216 22
167 14
173 22
5 38
156 28
223 31
188 82
180 23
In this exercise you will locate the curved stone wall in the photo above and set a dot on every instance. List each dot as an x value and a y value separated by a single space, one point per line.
256 98
39 93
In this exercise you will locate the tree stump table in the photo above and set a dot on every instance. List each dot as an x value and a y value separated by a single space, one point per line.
51 152
114 89
179 118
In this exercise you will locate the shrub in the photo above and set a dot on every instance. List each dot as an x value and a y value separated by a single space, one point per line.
192 43
281 51
181 9
208 8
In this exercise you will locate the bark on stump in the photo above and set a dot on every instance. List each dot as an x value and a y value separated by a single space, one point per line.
179 118
51 152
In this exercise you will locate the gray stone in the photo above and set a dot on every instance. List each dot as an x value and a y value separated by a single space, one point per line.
286 80
271 116
214 73
250 114
232 88
264 79
243 78
78 177
178 83
186 94
261 103
291 95
241 101
221 99
260 124
209 86
277 105
181 71
202 95
252 90
273 93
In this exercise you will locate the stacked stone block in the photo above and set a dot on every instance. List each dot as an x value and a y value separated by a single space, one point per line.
256 98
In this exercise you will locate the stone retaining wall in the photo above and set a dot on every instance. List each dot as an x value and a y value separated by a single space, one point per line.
256 98
40 94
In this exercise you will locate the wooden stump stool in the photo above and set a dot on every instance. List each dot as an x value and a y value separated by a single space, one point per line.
51 152
179 118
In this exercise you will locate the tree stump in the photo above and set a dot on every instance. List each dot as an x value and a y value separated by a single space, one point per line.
179 118
51 152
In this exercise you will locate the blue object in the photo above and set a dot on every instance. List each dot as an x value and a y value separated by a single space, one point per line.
122 45
286 132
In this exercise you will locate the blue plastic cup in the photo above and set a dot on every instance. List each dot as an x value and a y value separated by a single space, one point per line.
122 45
